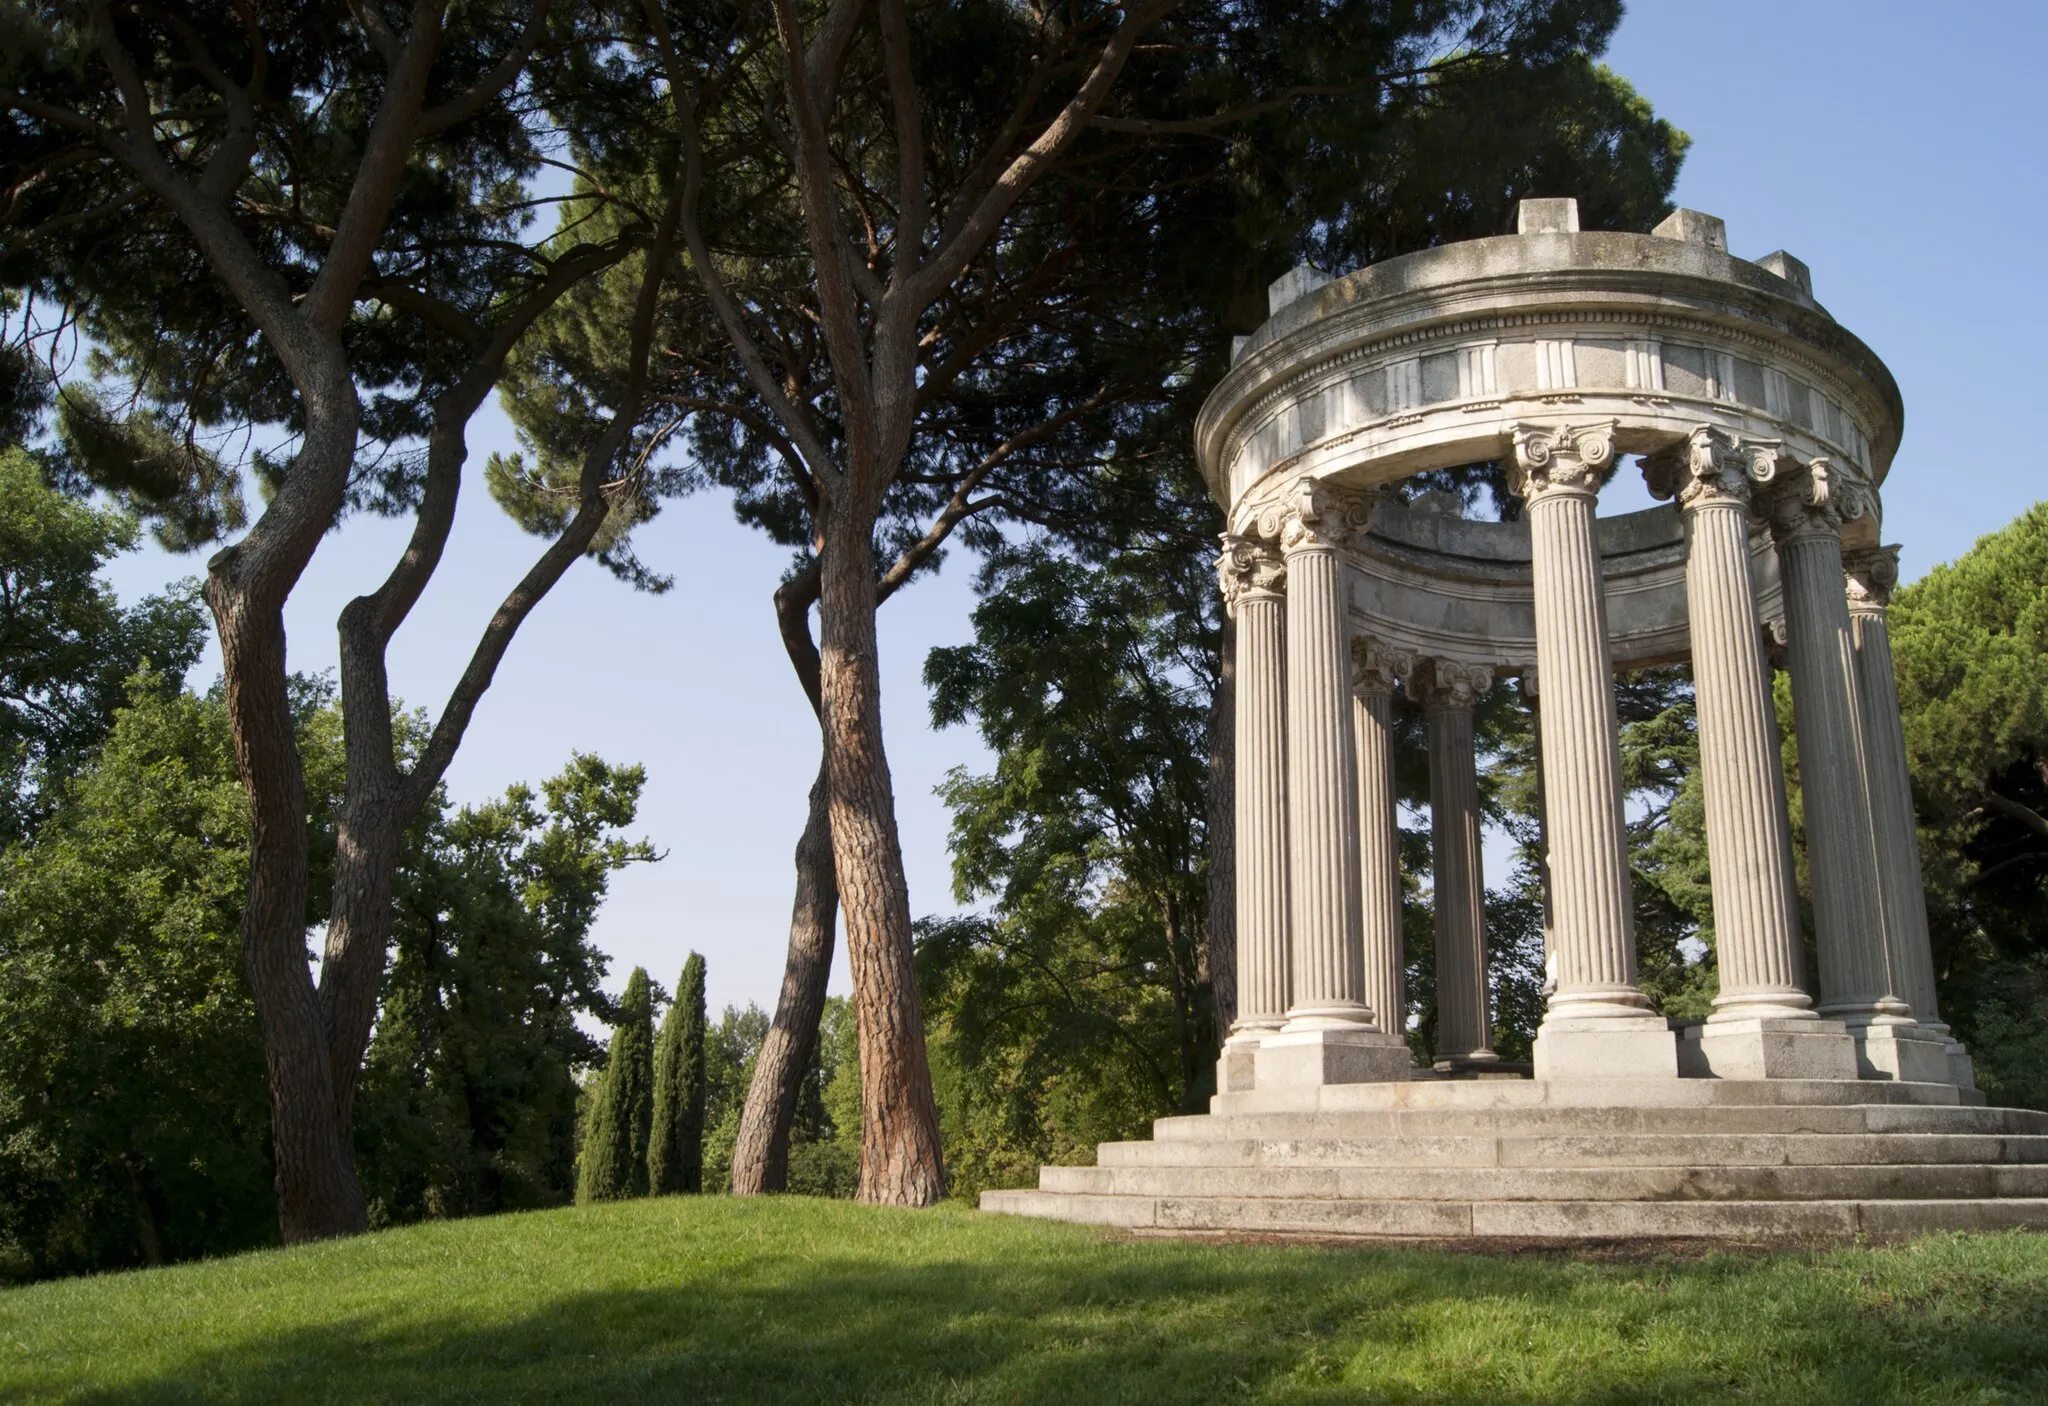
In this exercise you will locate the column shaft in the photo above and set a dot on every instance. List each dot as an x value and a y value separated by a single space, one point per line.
1464 1030
1749 848
1901 892
1322 799
1855 977
1261 812
1379 857
1592 913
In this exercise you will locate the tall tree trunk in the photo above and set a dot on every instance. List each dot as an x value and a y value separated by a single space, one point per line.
318 1195
1221 829
760 1157
900 1160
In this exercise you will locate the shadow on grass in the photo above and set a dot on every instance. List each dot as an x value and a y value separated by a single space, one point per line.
1186 1323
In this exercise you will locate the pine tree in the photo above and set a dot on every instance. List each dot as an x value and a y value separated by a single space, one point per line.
613 1164
675 1151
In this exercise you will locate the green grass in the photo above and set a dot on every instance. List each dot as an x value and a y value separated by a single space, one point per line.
711 1299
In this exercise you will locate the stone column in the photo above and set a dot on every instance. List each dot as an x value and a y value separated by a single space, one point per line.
1856 985
1901 892
1464 1033
1330 1036
1597 1022
1252 576
1374 672
1763 1024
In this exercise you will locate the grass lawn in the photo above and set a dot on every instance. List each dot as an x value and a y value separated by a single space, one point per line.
715 1300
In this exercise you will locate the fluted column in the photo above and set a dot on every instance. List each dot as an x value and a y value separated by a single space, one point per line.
1464 1029
1374 672
1902 895
1855 969
1763 1023
1749 845
1322 799
1597 1021
1253 576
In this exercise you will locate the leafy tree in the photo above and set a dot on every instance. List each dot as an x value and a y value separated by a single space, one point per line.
133 1118
612 1165
675 1153
301 239
469 1091
1970 641
67 648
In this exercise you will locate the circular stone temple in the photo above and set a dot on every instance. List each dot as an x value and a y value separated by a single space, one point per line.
1841 1106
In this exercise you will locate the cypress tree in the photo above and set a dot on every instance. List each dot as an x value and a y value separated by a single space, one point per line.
675 1152
613 1164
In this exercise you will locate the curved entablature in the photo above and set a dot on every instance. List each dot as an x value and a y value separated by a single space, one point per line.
1433 360
1433 585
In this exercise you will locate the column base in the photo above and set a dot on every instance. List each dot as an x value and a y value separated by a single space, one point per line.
1310 1059
1236 1066
1767 1047
1642 1047
1902 1052
1961 1072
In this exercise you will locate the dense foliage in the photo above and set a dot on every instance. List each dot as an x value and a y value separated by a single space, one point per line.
675 1148
134 1118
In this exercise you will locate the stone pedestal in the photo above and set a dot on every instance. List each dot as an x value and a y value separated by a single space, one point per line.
1902 1050
1307 1059
1597 1020
1767 1047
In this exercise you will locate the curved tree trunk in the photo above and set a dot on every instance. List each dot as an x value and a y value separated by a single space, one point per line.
760 1157
318 1195
900 1160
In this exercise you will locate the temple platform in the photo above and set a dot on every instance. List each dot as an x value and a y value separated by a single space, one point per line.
1571 1159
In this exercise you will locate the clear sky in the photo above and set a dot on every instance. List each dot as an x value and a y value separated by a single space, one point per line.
1892 146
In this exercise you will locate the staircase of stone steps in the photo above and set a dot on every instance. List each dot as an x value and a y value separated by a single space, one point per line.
1459 1159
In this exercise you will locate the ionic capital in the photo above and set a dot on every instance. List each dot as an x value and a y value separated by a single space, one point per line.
1248 569
1375 669
1447 684
1561 458
1869 575
1711 467
1813 503
1318 516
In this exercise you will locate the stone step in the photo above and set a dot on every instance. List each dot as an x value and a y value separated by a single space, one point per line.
1583 1150
1586 1093
1970 1181
1454 1122
1561 1220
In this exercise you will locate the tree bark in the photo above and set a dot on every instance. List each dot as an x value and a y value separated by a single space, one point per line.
900 1160
760 1157
1220 826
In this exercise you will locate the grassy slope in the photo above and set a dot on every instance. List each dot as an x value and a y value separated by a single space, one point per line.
711 1299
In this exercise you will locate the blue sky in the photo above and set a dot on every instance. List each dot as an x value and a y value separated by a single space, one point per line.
1891 146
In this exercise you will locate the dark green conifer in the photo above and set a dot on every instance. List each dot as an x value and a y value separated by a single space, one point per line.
613 1163
675 1151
